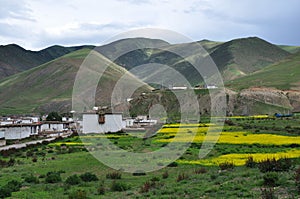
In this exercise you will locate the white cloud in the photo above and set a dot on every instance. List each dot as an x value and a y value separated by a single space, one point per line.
37 24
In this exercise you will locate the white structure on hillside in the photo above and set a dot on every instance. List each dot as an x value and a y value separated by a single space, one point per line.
97 123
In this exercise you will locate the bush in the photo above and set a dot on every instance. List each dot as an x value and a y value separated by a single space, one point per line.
101 189
269 165
34 159
181 176
147 186
173 164
11 162
73 180
139 173
53 177
78 194
114 175
165 175
31 179
200 170
118 186
13 185
5 192
250 162
88 177
267 193
226 165
271 179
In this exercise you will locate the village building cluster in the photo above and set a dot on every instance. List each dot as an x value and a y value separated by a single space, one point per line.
94 121
16 128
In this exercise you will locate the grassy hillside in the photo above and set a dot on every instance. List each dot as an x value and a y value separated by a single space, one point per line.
282 75
118 47
291 49
234 59
243 56
49 87
14 59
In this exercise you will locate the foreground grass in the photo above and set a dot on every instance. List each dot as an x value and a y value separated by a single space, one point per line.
187 178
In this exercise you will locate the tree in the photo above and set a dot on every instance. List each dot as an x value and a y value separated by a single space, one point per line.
54 116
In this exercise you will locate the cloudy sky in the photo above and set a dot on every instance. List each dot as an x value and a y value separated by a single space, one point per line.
36 24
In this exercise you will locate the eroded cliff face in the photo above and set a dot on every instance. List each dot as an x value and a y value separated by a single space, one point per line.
262 101
250 101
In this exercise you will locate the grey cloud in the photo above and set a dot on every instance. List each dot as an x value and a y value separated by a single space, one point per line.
16 9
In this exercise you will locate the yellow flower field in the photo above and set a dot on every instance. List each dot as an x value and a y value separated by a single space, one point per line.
69 143
238 137
240 159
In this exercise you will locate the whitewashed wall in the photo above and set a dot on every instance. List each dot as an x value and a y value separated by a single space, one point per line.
20 132
50 127
113 123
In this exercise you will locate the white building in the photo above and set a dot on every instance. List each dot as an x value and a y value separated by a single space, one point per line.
112 122
19 131
54 126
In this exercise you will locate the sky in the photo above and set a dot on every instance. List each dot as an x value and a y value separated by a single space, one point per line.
36 24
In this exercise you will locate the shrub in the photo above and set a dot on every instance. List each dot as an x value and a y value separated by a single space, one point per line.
147 186
78 194
165 175
114 175
173 164
250 162
34 159
139 173
9 187
31 179
200 170
5 192
181 176
3 163
53 177
269 165
13 185
155 179
101 189
267 193
226 165
118 186
88 177
73 180
270 179
11 162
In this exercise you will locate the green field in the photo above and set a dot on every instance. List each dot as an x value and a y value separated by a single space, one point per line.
226 172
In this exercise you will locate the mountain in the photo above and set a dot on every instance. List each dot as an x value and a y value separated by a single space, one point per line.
14 59
241 57
242 62
49 86
283 75
234 59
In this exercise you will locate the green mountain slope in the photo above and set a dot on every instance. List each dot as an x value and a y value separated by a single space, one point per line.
234 59
282 75
49 87
291 49
240 57
14 59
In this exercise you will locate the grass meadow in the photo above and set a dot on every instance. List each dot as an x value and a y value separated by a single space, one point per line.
254 157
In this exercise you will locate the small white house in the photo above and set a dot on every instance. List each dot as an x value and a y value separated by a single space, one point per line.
19 131
110 122
129 122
